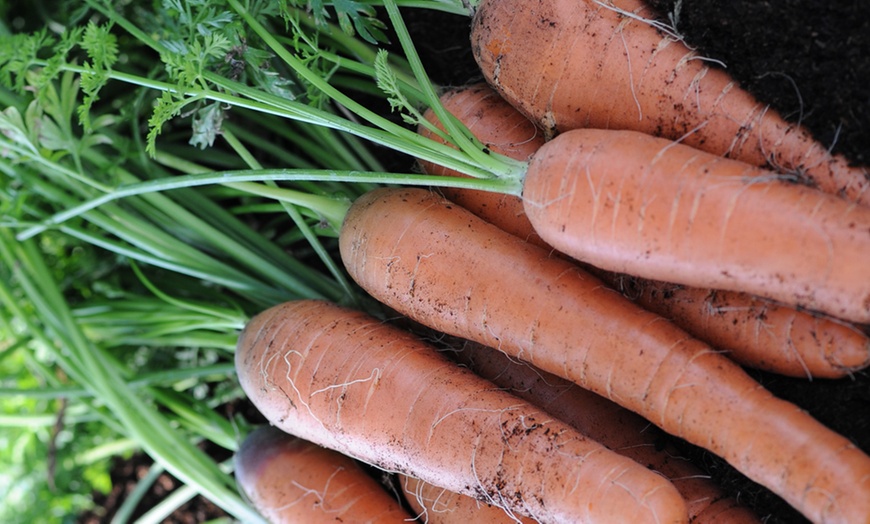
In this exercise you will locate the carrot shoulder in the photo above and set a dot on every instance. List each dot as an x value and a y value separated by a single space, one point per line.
753 331
290 480
354 384
439 264
569 64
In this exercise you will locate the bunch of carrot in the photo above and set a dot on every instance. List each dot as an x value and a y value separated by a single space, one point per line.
631 267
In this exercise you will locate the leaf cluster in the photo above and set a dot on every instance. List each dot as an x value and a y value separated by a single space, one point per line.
354 17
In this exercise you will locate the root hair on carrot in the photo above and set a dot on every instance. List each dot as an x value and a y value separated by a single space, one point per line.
668 28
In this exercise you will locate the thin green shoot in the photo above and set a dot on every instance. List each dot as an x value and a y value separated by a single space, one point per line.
252 175
132 500
334 221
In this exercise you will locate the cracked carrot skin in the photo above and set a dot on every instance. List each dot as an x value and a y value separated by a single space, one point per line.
570 64
437 263
351 383
606 422
290 480
753 331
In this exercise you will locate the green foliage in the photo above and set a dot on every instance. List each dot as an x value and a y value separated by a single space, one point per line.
353 17
387 82
50 451
128 265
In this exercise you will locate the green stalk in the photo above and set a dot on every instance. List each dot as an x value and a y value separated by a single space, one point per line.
275 175
456 7
400 139
334 217
386 133
125 511
168 377
175 253
464 140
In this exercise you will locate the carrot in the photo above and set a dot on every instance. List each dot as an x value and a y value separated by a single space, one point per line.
290 480
437 263
646 206
754 332
569 64
608 423
351 383
436 505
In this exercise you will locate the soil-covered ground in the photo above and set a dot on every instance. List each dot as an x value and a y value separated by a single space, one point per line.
811 61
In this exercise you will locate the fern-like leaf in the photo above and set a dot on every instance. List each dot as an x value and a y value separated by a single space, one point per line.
101 45
386 80
167 107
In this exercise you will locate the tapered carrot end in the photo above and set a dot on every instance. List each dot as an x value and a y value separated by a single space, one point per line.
849 359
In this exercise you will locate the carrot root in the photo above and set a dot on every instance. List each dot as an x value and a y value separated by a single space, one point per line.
570 64
435 505
604 421
646 206
353 384
290 480
454 275
754 332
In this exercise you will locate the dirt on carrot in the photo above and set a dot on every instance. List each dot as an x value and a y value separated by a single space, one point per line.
429 259
615 427
753 331
602 64
354 384
435 505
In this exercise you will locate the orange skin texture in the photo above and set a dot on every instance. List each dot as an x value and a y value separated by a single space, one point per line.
354 384
646 206
290 480
435 505
755 332
570 64
437 263
617 428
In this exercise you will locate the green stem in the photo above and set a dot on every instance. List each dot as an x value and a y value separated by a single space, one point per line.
456 7
91 368
224 177
334 216
459 133
481 164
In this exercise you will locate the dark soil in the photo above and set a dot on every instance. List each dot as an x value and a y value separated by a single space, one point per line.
126 474
811 61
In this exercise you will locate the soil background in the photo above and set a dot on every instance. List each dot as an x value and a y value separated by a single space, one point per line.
810 60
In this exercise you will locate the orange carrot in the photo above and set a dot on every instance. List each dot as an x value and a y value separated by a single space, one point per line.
349 382
437 263
569 64
633 203
604 421
436 505
754 332
290 480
